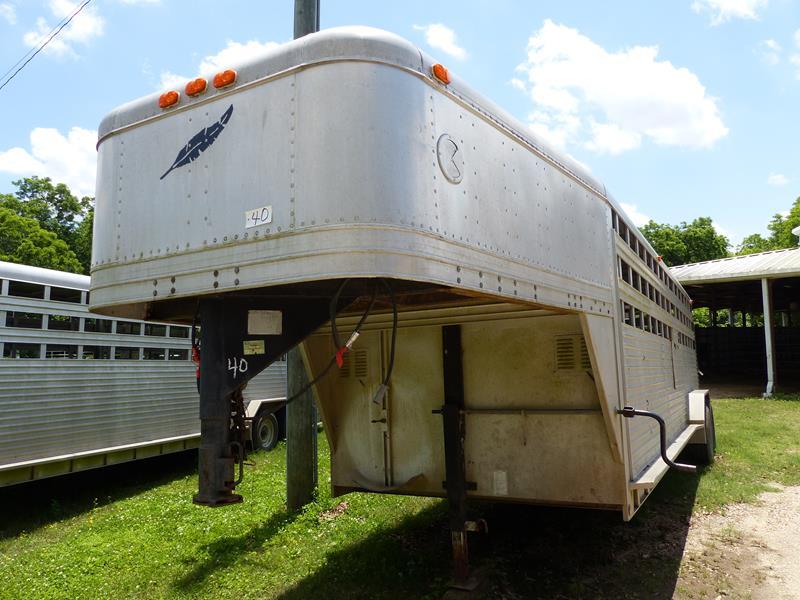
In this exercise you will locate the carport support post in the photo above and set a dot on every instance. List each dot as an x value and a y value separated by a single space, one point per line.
769 334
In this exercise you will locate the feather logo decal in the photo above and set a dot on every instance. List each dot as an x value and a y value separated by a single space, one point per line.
200 142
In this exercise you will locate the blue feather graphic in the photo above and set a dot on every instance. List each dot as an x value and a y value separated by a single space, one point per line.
200 142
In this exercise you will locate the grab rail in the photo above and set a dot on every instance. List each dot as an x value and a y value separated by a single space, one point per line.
629 412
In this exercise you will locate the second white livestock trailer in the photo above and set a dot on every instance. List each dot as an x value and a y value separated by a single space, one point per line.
79 391
508 311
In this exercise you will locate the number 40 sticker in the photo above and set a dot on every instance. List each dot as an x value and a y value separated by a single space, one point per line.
258 216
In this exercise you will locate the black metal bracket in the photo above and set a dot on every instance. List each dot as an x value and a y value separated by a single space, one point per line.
470 485
629 412
454 460
230 355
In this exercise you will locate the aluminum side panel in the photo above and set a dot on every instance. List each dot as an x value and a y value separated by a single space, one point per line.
346 156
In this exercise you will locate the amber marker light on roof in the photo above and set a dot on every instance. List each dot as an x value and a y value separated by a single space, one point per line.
225 78
196 87
168 99
440 73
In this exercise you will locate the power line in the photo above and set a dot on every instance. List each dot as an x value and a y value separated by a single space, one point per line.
33 49
53 34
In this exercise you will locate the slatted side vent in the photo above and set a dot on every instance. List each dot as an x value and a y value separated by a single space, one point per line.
586 363
355 364
361 364
572 353
565 353
344 371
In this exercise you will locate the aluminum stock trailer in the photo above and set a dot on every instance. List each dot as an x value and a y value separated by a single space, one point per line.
478 315
79 391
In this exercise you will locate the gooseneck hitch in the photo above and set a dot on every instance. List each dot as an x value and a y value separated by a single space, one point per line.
629 412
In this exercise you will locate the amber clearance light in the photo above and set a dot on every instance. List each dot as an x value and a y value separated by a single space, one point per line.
440 73
168 99
196 87
225 78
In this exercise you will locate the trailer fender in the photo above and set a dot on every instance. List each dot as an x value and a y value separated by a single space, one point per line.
698 400
270 404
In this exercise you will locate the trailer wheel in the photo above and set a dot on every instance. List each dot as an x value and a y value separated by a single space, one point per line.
265 431
703 454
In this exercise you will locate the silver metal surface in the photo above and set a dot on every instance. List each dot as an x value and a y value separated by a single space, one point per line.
364 184
393 214
773 264
63 409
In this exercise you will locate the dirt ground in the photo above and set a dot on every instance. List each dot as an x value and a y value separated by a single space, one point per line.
749 551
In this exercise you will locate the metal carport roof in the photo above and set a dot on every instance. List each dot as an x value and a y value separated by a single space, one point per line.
770 265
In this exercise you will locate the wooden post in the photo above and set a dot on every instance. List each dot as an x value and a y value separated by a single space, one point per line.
306 17
301 416
301 436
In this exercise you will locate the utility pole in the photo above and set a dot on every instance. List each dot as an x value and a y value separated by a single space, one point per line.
306 17
301 414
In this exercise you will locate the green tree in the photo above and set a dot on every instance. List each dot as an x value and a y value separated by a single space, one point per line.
688 242
781 227
754 243
57 210
82 243
23 241
780 233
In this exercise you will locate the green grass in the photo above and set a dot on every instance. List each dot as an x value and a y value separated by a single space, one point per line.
156 543
758 443
126 533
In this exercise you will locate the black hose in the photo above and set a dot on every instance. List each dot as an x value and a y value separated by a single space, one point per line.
335 334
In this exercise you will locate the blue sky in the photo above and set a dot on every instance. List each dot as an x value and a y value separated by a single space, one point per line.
683 108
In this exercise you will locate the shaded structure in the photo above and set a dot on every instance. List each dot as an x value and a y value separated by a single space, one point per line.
753 328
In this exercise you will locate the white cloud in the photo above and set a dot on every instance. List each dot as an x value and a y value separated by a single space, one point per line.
233 54
794 59
518 84
639 219
722 230
557 129
69 159
87 25
777 179
612 101
611 139
770 51
442 38
725 10
170 80
8 12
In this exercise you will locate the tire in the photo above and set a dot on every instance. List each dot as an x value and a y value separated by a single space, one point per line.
703 454
265 431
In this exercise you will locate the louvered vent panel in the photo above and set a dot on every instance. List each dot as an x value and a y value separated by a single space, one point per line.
572 353
586 363
344 372
565 353
361 364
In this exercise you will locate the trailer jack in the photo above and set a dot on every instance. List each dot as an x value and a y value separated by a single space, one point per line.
629 412
456 483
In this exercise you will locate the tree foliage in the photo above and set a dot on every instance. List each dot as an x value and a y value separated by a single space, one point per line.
23 241
780 233
686 243
54 209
